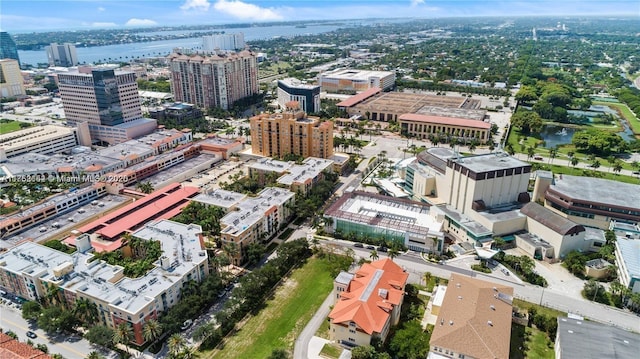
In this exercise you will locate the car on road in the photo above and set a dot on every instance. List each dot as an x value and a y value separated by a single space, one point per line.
383 249
359 245
32 335
537 158
504 271
636 172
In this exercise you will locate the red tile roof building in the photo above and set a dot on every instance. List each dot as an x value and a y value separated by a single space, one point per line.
13 349
368 304
164 203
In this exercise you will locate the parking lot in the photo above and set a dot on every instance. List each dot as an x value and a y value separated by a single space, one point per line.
56 227
221 173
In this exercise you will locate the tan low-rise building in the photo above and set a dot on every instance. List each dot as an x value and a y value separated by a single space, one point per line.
474 320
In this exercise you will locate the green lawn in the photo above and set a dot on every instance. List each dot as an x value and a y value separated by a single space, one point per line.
284 316
581 171
537 345
626 113
10 126
330 351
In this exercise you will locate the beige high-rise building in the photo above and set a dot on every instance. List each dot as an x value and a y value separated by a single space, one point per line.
291 132
218 80
11 83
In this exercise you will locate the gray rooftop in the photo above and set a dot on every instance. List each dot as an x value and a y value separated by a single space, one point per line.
253 209
629 249
452 112
134 123
295 83
580 339
220 198
490 162
534 240
267 164
598 190
551 219
309 169
180 243
344 277
476 228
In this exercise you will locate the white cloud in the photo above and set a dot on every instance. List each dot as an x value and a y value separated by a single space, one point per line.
417 2
196 5
101 9
245 11
103 24
140 22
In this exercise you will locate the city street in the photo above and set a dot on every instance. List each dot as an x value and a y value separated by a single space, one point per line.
70 347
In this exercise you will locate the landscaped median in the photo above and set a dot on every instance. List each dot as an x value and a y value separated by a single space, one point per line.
286 314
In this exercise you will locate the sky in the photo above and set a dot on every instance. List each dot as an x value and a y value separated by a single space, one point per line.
42 15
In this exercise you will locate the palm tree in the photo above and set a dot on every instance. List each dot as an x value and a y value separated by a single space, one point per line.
151 330
374 255
86 311
530 152
95 355
574 161
145 187
176 343
635 165
595 164
617 167
552 154
427 277
123 334
393 252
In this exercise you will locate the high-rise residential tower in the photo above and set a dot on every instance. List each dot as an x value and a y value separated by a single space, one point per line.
218 80
62 55
224 42
8 48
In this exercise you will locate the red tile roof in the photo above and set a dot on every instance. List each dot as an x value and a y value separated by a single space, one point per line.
354 100
13 349
142 211
451 121
374 291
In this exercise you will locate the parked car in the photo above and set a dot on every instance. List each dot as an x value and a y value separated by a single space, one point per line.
359 245
371 247
383 249
32 335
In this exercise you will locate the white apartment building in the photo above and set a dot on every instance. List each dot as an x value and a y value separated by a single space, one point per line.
224 42
29 268
64 55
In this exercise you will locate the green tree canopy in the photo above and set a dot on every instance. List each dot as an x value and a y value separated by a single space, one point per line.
527 121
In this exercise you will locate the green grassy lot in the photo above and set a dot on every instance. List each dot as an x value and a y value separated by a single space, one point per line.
284 316
536 345
330 351
273 69
625 112
6 127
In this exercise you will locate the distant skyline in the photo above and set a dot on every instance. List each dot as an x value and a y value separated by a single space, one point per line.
57 15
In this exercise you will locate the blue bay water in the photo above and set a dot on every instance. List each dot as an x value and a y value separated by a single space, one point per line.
164 47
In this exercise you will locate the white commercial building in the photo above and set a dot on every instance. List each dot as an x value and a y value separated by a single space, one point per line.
11 81
350 80
45 139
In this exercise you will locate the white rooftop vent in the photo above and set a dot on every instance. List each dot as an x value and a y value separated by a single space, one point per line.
451 322
493 307
489 323
457 285
460 297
